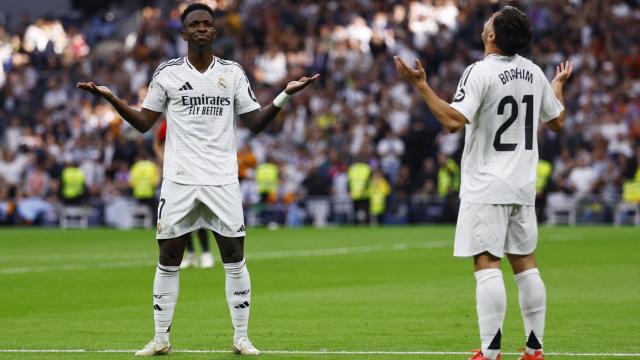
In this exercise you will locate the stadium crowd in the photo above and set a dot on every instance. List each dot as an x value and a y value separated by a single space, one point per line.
358 135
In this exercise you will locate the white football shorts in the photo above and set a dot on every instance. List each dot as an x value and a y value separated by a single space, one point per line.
185 208
498 229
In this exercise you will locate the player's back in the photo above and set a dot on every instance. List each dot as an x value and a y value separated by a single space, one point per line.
504 98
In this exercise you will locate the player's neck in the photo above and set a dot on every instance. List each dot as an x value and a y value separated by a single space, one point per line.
491 50
200 59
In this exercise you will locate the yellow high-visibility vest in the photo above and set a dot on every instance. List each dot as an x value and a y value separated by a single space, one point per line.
543 174
267 178
448 178
631 191
380 189
359 174
72 182
144 178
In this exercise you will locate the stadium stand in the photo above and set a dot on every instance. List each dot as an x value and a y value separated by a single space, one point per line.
360 109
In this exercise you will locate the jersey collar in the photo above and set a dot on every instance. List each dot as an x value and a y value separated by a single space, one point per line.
498 56
213 62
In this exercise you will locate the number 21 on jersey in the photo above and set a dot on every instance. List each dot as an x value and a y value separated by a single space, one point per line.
527 100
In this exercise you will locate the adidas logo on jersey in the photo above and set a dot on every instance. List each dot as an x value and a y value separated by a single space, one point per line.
241 229
186 86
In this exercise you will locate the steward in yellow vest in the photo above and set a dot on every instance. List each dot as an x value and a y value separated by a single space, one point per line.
379 191
359 175
73 184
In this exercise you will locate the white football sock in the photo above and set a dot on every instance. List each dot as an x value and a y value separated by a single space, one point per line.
533 305
238 288
165 296
491 304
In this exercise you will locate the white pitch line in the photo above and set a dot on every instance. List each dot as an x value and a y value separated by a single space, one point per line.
250 256
67 267
141 259
318 352
66 257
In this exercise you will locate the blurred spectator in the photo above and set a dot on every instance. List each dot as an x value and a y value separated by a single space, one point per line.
390 150
7 206
246 161
583 177
12 166
271 67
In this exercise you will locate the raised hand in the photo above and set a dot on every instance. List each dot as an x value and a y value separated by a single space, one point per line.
297 85
413 76
98 90
563 71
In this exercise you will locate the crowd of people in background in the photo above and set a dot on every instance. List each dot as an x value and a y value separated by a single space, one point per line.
359 138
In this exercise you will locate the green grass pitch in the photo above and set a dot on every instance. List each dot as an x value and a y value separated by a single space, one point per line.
346 289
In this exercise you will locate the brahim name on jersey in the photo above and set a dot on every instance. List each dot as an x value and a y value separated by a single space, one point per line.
514 74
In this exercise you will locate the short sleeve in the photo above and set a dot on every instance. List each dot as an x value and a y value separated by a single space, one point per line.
156 97
245 100
551 107
468 97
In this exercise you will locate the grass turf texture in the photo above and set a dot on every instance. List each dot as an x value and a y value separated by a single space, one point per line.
351 289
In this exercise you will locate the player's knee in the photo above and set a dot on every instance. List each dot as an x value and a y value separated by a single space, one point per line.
169 259
170 256
235 256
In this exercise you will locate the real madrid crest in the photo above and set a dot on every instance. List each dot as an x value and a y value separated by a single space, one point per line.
222 83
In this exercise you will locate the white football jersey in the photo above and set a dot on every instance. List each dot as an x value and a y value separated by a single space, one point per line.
201 109
503 98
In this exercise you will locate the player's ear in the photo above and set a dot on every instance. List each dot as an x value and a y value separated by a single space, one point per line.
492 36
183 34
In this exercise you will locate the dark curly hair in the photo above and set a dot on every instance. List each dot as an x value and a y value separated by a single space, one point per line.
512 29
193 7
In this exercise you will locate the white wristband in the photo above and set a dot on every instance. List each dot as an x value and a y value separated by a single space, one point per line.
281 100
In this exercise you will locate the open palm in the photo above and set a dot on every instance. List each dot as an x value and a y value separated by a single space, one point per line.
297 85
563 71
98 90
414 76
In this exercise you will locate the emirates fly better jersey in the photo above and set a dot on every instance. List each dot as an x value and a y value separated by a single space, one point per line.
503 99
201 108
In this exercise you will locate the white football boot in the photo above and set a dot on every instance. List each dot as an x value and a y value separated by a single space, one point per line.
243 346
155 347
206 260
189 260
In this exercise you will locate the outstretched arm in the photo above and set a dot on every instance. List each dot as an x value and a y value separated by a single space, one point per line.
563 71
449 117
258 120
141 120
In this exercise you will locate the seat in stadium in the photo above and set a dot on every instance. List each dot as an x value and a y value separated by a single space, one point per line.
142 217
318 208
74 217
627 213
561 209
